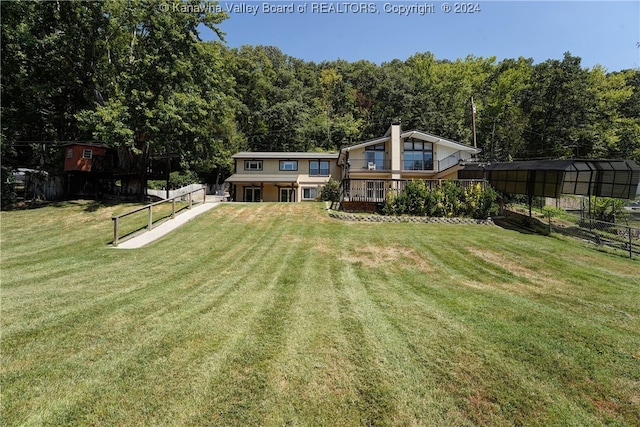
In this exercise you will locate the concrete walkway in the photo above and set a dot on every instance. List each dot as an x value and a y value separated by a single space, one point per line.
166 227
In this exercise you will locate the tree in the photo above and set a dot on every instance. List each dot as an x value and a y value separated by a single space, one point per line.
49 64
502 122
557 104
162 90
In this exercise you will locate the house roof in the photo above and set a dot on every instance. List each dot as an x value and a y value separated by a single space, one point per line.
438 140
366 143
283 155
414 134
87 144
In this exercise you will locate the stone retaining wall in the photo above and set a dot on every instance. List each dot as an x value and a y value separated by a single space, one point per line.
423 219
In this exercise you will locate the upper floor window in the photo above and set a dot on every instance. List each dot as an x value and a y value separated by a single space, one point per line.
374 157
418 155
319 168
253 165
69 153
288 165
87 154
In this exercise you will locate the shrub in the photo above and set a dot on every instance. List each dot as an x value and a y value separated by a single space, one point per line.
607 209
331 191
448 199
416 193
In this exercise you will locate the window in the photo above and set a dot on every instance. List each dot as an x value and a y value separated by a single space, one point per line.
374 157
418 155
319 168
69 153
288 165
253 165
87 154
309 193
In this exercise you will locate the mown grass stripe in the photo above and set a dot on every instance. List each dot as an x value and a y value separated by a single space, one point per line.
318 322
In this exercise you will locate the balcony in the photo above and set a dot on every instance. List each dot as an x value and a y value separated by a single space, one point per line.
370 165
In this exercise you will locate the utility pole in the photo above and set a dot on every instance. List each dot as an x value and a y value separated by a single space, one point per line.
473 122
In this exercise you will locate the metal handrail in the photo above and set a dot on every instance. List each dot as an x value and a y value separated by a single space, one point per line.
116 218
450 161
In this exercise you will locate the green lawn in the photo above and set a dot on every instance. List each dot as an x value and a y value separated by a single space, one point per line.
272 314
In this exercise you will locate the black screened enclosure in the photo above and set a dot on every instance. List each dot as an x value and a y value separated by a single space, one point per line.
551 178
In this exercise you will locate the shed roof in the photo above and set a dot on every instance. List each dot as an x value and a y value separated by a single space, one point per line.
550 178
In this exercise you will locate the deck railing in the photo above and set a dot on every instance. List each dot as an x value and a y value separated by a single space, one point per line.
370 165
450 161
377 190
189 198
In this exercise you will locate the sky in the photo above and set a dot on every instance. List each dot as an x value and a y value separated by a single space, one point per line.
600 32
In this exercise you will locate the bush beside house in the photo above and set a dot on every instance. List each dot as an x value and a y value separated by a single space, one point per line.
446 200
330 191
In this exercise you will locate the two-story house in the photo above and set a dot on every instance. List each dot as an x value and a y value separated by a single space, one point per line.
370 168
281 177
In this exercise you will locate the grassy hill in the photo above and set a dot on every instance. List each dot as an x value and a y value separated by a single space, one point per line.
272 314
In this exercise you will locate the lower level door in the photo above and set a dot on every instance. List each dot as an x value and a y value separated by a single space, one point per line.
252 194
287 195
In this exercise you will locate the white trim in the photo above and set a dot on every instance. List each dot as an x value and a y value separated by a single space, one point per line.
367 143
438 141
259 164
258 155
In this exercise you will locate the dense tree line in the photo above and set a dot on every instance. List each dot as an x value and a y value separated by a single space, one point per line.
137 76
556 108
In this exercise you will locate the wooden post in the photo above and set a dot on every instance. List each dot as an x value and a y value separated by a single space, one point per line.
150 224
630 243
190 198
173 208
116 230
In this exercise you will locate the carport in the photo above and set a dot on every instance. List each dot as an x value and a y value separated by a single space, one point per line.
551 178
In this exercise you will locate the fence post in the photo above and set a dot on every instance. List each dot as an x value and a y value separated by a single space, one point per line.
190 198
150 219
115 230
630 243
204 194
173 208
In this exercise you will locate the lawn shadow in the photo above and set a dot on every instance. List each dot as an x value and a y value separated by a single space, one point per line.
509 224
36 204
95 205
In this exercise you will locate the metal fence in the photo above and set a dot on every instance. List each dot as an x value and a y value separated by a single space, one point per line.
621 237
616 236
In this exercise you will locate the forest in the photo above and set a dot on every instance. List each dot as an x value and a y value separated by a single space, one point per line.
138 77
